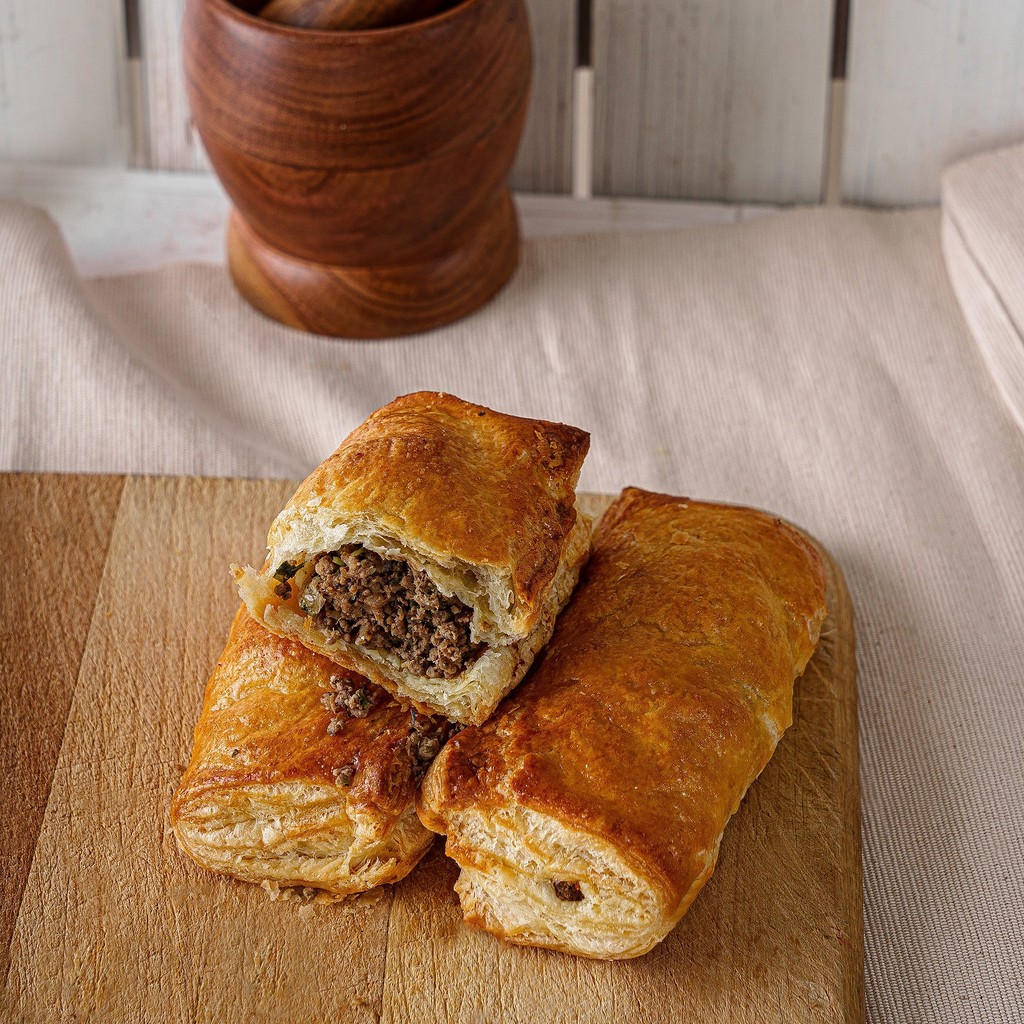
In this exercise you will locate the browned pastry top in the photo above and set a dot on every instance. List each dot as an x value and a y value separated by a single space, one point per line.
264 721
644 721
493 490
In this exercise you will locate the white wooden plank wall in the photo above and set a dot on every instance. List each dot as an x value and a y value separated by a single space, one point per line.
712 99
543 163
63 81
927 83
172 142
703 99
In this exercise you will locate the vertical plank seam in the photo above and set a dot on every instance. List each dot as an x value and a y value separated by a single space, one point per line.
581 117
143 97
60 748
132 35
840 37
831 184
138 149
835 108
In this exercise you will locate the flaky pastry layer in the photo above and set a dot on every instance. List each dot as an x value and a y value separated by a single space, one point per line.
271 796
482 502
587 813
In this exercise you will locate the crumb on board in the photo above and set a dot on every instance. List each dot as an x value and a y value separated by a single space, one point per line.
305 897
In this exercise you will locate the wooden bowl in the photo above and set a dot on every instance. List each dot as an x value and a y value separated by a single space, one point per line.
334 14
367 168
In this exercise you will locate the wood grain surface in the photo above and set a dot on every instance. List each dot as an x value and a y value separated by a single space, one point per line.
44 554
349 14
368 167
119 606
711 99
927 84
63 82
171 141
544 161
376 302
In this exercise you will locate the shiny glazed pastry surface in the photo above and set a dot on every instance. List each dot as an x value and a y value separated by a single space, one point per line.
478 504
587 813
284 789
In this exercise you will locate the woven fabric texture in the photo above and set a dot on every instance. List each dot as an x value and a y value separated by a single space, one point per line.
815 363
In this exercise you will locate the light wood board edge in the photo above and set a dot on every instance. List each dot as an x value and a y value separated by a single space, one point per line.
42 640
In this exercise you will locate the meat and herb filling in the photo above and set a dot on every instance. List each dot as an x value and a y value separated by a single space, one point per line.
427 733
568 892
385 604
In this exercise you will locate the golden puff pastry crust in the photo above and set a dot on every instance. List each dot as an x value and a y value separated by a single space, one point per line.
587 814
270 795
481 504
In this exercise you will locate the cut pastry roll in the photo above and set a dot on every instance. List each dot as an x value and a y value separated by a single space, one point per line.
587 813
431 552
302 774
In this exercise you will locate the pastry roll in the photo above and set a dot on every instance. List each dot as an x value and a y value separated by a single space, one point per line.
587 814
431 552
302 774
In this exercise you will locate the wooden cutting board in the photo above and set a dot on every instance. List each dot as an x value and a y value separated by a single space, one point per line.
115 604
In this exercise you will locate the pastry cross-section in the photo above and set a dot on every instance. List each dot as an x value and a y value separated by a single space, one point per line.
431 552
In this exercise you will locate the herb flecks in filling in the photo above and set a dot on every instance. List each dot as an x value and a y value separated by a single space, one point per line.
283 574
346 700
356 701
427 735
384 604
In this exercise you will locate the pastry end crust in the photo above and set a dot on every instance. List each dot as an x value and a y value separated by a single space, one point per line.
587 813
265 798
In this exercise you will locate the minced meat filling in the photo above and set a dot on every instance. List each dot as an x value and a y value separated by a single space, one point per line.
568 892
427 735
385 604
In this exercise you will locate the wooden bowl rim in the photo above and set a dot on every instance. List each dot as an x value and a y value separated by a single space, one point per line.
231 10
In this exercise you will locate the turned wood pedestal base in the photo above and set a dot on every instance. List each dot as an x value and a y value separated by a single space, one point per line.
377 301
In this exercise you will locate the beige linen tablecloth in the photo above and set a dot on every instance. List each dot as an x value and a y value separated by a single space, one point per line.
815 363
